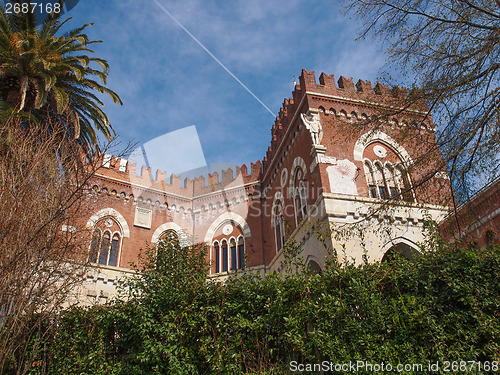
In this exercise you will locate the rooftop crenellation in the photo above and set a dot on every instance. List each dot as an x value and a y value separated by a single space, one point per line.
346 88
121 169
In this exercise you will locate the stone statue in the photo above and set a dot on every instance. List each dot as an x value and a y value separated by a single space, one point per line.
311 122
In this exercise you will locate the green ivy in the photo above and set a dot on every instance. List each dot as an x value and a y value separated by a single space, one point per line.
441 307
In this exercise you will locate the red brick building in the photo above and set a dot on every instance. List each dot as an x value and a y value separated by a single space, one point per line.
477 221
334 162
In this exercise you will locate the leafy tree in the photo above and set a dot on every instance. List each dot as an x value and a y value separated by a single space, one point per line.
449 51
53 76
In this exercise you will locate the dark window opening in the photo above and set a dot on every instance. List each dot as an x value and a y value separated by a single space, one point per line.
217 258
224 257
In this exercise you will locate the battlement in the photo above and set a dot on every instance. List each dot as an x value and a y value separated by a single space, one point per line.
346 88
125 172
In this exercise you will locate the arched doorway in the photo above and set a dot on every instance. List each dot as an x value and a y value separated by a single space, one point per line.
401 249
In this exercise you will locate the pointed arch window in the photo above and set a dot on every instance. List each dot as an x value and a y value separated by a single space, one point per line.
94 246
299 195
393 182
386 181
169 235
224 256
370 179
229 255
405 184
241 253
279 226
234 254
105 243
217 256
380 180
103 253
114 249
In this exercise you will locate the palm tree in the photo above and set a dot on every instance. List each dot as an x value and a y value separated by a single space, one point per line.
51 76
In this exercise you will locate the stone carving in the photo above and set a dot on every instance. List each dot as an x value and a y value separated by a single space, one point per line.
342 177
143 217
380 151
312 123
227 230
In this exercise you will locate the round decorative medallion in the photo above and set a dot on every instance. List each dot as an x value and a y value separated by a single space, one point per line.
380 151
284 176
227 230
108 223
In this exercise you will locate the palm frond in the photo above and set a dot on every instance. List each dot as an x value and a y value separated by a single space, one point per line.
52 74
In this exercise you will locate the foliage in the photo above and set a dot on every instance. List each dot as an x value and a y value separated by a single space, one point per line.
449 51
443 306
53 76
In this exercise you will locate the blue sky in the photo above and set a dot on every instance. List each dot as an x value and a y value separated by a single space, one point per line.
168 82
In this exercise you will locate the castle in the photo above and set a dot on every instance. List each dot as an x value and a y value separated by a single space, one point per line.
334 162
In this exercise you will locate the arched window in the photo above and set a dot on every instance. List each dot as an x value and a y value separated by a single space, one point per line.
103 253
299 195
393 182
404 183
279 225
114 250
105 243
217 256
94 246
314 266
169 235
234 254
241 253
400 250
388 181
370 179
230 253
224 256
227 251
380 180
